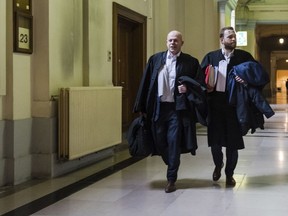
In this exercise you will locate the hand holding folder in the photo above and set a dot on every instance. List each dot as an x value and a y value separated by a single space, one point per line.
211 76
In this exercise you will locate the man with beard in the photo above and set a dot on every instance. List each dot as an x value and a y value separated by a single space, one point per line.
223 127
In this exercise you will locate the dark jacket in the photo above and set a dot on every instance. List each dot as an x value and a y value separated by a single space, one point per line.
247 98
196 97
147 100
223 126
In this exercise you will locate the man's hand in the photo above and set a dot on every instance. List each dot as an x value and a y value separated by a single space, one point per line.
182 88
209 89
238 79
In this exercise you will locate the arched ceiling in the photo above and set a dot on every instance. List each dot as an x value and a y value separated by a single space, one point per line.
269 29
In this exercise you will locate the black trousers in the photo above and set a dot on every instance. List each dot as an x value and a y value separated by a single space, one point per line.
224 130
167 129
231 158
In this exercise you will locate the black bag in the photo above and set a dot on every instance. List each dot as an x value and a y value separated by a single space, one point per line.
139 138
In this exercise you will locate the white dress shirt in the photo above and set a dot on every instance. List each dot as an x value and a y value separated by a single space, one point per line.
222 72
166 79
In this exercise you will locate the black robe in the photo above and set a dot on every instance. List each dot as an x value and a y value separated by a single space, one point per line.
223 126
147 100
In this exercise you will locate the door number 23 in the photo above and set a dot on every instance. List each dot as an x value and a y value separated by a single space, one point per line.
23 37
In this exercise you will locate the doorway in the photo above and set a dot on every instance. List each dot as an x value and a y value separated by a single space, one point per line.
129 56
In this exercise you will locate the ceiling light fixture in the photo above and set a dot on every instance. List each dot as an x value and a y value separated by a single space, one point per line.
281 39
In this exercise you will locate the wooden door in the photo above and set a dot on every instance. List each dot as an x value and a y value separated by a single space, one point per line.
129 56
124 66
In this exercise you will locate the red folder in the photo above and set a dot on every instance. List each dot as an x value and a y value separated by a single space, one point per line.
210 76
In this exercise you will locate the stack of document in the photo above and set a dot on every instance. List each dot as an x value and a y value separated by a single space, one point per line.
211 76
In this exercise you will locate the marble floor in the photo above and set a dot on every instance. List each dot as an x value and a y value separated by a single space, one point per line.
127 186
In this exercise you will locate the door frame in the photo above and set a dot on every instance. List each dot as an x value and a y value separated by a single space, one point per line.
121 12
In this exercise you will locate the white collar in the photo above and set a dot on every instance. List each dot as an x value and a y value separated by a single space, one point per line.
170 55
229 55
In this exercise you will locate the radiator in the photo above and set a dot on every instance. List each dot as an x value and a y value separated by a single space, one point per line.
89 120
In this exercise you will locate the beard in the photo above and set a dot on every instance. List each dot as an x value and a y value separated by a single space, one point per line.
230 46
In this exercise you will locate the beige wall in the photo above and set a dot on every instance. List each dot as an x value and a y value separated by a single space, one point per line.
2 54
100 37
199 28
21 86
3 49
58 52
63 41
65 44
58 61
66 41
17 100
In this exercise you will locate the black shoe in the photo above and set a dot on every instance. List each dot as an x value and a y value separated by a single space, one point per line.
170 187
217 172
230 181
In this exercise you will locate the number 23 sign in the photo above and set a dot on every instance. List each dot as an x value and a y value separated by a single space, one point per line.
23 33
24 38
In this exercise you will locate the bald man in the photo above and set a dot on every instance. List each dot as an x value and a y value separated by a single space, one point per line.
162 99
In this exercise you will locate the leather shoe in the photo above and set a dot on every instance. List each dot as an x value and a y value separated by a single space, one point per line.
170 187
230 181
217 172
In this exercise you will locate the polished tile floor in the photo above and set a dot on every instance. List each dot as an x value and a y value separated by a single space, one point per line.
121 185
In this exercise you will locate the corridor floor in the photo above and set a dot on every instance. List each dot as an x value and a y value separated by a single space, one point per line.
136 187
